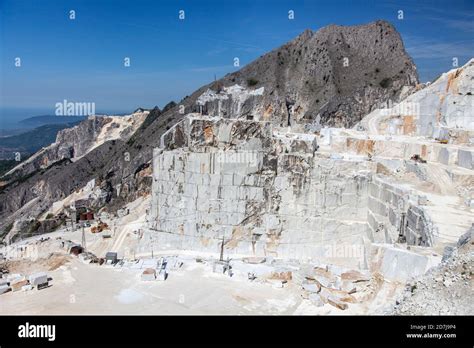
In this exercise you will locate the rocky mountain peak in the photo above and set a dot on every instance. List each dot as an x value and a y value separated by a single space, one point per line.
339 72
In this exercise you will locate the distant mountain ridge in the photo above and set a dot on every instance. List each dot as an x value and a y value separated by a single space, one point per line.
31 141
74 141
37 121
41 120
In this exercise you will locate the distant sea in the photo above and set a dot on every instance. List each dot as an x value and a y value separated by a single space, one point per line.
10 118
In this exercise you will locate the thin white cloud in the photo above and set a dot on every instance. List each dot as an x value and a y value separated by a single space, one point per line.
445 16
463 24
421 48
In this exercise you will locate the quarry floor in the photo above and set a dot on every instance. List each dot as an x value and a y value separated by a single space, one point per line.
79 289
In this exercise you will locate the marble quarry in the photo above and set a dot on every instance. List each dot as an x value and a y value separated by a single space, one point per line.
390 188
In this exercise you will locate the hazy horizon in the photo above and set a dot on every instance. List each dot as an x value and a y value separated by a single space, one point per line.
11 116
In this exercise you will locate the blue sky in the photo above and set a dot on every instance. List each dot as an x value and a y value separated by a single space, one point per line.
82 59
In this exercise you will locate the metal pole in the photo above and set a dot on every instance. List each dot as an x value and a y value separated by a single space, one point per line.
83 237
222 250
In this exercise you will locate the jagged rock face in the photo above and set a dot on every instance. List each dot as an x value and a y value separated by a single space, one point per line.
269 192
77 156
70 143
73 143
231 102
341 73
35 193
442 110
265 192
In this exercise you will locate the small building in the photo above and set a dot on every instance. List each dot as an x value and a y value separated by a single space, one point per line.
111 257
82 210
86 216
